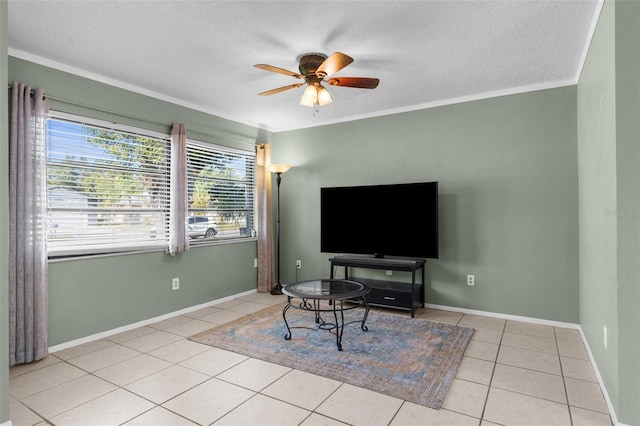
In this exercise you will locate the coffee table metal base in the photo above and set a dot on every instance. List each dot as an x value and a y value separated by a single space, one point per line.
337 308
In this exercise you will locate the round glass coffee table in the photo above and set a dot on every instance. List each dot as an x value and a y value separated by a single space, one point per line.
336 293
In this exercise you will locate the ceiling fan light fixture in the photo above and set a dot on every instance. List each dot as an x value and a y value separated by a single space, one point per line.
310 96
324 97
315 94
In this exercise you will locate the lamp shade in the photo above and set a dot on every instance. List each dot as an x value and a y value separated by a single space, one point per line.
278 168
316 94
324 97
310 96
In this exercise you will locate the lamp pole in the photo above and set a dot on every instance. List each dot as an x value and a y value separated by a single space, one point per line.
278 169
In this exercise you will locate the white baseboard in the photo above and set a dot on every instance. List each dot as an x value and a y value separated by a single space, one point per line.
542 322
505 316
6 423
614 418
128 327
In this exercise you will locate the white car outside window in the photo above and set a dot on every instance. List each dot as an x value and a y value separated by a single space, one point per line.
201 227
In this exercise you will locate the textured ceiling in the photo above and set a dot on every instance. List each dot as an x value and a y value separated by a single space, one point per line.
201 53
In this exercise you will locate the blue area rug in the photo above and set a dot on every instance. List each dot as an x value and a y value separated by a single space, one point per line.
409 358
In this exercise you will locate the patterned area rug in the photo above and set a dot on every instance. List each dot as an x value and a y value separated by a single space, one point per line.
411 359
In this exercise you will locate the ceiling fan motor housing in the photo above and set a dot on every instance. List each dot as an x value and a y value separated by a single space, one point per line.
309 63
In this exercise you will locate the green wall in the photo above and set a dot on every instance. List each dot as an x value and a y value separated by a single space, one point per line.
597 176
93 295
508 181
4 222
628 179
88 296
609 155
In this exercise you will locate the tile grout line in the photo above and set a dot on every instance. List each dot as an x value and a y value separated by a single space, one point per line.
564 382
493 371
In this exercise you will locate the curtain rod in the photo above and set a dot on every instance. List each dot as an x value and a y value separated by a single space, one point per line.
144 120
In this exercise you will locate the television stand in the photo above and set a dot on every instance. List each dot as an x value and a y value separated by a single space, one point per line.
390 294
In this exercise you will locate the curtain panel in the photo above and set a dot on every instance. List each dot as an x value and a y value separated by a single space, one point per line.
28 270
178 240
266 258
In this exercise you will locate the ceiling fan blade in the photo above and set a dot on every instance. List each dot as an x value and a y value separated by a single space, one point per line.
280 89
278 70
358 82
333 64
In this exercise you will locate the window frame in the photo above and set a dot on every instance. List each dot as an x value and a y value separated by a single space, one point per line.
162 242
251 177
74 246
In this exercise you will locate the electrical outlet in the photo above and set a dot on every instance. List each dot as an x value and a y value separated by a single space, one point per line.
175 283
604 336
298 264
255 262
389 272
471 280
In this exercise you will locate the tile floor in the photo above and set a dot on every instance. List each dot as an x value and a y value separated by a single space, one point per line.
513 373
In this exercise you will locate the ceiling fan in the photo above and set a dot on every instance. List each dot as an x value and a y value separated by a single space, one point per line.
314 69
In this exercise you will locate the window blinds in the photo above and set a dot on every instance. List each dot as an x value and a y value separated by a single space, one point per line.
221 188
107 188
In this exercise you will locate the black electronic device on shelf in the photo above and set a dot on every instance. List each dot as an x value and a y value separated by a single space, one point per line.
380 220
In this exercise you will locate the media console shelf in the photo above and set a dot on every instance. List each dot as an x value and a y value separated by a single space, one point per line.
392 294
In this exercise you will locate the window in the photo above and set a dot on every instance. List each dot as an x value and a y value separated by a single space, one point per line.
107 188
221 193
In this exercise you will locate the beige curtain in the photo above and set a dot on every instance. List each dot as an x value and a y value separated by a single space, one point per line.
266 258
178 240
28 335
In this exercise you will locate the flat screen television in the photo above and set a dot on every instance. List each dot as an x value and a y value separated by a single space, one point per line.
396 220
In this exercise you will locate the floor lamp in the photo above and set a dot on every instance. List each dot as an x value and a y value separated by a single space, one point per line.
278 169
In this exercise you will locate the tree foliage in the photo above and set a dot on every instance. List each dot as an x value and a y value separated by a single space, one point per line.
217 185
145 155
117 169
103 175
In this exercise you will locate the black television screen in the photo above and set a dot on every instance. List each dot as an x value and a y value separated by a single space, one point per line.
381 220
